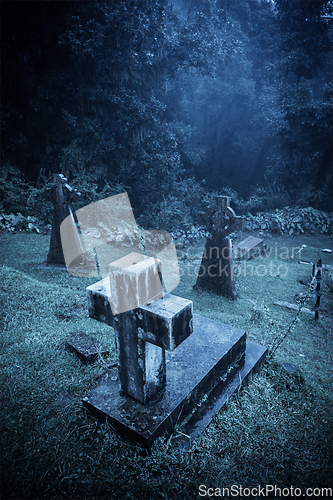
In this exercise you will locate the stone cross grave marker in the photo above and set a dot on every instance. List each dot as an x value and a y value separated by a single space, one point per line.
173 366
61 195
216 269
144 327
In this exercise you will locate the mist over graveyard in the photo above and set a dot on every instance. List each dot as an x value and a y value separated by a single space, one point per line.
170 101
166 257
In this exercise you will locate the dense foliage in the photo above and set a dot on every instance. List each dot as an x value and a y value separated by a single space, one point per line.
169 100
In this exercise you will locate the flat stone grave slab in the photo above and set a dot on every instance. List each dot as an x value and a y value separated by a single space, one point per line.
85 347
294 307
289 367
250 247
201 375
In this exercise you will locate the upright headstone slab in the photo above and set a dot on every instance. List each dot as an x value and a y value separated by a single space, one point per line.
216 270
61 195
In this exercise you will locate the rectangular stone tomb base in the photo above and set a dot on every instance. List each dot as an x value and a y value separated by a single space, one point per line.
250 247
202 373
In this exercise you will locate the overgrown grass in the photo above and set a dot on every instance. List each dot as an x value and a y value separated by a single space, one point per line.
277 430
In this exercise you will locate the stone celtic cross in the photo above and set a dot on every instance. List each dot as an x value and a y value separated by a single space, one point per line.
221 218
216 269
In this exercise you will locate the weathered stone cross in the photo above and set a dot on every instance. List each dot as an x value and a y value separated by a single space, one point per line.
61 195
221 218
148 329
192 382
216 269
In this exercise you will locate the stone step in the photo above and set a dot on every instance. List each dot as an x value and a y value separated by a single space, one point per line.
201 374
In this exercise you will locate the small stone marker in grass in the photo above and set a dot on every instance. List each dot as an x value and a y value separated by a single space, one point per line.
85 347
61 195
216 269
294 307
289 367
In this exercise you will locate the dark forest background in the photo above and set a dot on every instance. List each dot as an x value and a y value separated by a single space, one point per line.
170 100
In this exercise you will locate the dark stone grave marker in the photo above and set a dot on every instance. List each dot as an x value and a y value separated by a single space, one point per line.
216 269
61 195
172 367
85 347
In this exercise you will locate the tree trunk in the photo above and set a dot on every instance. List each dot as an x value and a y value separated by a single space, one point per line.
325 168
258 174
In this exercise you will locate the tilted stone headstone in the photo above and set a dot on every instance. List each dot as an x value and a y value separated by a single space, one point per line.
61 195
216 270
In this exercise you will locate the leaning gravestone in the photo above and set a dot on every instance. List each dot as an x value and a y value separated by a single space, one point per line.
61 195
216 269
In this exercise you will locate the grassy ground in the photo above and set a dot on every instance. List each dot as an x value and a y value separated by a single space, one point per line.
275 431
